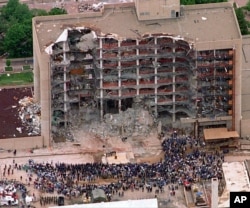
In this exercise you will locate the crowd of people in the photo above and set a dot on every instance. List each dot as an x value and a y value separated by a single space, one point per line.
185 160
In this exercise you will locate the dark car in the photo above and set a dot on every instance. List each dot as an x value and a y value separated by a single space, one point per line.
60 201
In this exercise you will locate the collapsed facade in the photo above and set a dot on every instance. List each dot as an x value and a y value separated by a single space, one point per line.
95 72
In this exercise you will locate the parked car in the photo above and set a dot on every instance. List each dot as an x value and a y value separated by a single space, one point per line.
8 201
187 184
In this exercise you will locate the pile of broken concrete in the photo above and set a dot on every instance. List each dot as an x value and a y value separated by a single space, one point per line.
30 114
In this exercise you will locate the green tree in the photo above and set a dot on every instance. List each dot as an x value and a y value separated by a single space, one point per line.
13 13
16 28
187 2
57 11
9 9
14 10
39 12
8 62
18 40
248 6
242 21
191 2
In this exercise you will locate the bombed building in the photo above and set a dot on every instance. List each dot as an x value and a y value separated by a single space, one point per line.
132 65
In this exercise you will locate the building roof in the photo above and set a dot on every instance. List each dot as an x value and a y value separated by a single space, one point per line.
143 203
198 23
219 133
236 180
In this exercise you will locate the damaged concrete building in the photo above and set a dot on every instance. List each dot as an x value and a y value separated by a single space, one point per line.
169 63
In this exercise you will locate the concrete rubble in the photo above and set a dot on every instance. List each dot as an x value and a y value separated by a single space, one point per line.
87 7
132 122
30 114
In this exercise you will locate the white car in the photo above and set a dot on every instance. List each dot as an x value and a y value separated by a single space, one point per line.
8 200
29 199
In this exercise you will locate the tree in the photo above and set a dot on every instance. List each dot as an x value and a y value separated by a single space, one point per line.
192 2
9 9
241 20
248 6
57 11
13 14
187 2
8 62
39 12
16 28
18 40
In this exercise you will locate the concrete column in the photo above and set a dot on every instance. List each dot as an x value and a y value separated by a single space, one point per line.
155 77
137 69
101 80
64 85
214 197
237 70
196 85
36 68
174 116
36 79
119 78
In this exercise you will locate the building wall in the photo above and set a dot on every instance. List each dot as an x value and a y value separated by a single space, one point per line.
237 46
22 143
42 88
157 9
245 92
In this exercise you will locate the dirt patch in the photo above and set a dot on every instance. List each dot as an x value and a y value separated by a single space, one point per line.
152 159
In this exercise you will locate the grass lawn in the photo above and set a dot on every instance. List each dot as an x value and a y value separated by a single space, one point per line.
21 78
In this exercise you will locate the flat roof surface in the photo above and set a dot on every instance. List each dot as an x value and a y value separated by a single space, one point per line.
199 23
236 180
219 133
143 203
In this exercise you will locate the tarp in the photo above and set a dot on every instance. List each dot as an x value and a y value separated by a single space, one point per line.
219 133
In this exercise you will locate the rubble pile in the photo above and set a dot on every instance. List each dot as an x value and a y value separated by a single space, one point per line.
30 114
132 122
85 7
